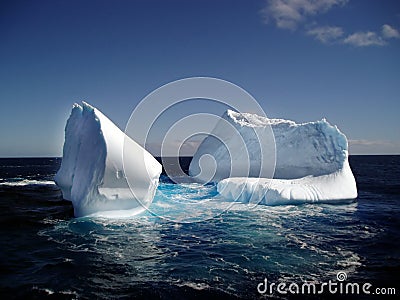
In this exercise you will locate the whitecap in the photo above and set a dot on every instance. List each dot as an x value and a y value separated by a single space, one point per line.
27 182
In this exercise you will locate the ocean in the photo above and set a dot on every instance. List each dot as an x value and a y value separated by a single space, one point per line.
235 253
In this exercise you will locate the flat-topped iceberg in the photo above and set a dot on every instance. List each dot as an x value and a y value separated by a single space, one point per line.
239 145
93 173
311 162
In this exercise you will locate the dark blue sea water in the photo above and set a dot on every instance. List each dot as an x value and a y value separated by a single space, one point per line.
47 253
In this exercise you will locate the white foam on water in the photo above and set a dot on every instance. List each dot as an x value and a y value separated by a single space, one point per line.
27 182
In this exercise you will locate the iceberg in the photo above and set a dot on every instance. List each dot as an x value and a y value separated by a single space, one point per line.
98 158
239 145
311 162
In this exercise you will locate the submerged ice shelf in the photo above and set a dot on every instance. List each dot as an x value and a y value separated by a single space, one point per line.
336 187
93 173
311 161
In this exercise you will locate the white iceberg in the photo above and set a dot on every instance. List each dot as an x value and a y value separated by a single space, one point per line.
93 173
239 145
311 162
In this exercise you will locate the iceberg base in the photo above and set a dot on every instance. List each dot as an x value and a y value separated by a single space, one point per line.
338 187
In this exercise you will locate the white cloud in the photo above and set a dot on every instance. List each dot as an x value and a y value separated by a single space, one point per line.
388 32
364 39
326 34
288 14
371 38
332 34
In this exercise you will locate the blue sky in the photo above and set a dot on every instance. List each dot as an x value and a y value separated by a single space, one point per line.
301 59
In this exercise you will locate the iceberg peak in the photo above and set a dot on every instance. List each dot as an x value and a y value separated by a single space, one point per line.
92 172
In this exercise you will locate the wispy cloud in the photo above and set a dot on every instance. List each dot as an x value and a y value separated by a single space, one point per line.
370 38
388 32
326 34
288 14
364 39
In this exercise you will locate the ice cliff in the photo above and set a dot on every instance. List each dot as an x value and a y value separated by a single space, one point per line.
93 173
311 161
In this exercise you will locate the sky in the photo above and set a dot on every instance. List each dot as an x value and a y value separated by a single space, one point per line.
302 60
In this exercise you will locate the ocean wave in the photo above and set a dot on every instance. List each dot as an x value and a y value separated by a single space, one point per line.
194 285
28 182
44 292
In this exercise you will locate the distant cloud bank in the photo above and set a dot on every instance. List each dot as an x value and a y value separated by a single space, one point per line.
373 147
